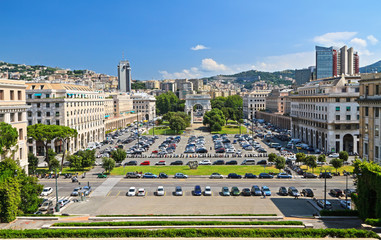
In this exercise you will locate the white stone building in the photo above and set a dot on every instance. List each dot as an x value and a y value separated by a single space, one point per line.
254 101
144 105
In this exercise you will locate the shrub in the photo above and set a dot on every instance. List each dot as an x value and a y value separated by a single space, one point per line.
339 213
373 221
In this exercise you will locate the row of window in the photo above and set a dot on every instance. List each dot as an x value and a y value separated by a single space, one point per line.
376 112
13 117
47 122
12 95
39 114
376 130
347 117
376 151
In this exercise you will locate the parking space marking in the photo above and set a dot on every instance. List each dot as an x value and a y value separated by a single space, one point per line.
118 193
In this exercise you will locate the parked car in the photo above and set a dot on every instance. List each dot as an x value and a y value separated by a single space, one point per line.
178 162
307 192
320 203
292 191
149 175
160 163
256 191
232 162
131 191
180 175
345 204
160 191
246 192
216 176
250 175
75 192
86 190
325 175
309 175
248 162
265 175
225 191
333 155
131 163
205 162
197 190
63 202
348 192
141 192
178 191
266 191
284 175
219 162
208 191
46 191
163 175
133 175
235 191
45 205
336 192
145 163
234 175
283 191
262 162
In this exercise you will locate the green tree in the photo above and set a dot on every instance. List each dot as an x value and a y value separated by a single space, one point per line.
32 163
138 85
177 124
75 161
8 137
272 157
336 163
234 101
30 191
53 163
280 162
118 155
300 157
108 164
88 157
64 134
310 161
322 158
216 127
218 102
213 117
343 155
166 102
45 134
9 199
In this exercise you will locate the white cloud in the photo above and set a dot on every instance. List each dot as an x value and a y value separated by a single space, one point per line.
210 65
199 47
287 61
372 39
334 38
358 42
185 73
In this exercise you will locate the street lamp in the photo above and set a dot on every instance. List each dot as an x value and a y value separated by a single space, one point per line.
57 205
153 130
346 189
325 188
252 127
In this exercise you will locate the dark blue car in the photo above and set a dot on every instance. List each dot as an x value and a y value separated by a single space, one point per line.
197 190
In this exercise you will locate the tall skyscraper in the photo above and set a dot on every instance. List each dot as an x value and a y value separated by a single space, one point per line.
334 62
124 76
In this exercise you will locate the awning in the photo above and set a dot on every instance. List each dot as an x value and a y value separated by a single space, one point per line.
107 116
132 111
38 94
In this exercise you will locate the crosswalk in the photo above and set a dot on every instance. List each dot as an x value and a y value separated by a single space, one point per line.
53 198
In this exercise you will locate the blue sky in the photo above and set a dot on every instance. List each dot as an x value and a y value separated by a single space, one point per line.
157 36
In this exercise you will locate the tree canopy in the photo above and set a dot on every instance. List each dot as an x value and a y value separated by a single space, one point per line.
215 119
138 85
177 124
118 155
8 137
168 102
230 106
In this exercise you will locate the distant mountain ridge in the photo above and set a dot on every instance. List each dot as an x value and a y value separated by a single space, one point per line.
375 67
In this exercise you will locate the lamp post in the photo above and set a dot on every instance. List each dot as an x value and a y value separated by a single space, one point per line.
239 120
57 205
153 130
138 127
325 188
346 189
252 127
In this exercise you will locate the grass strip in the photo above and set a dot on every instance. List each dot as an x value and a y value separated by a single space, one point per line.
174 223
194 215
170 233
373 221
339 213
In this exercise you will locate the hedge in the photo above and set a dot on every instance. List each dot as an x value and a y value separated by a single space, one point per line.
170 233
373 221
188 215
339 213
176 223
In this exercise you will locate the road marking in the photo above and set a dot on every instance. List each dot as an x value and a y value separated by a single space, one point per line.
118 193
105 188
108 193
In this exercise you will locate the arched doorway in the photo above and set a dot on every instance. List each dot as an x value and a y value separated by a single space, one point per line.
348 143
198 113
196 105
147 117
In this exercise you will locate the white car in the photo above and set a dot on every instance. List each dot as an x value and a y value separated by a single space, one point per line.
46 191
333 155
131 191
230 150
205 162
141 192
292 158
208 191
345 204
160 191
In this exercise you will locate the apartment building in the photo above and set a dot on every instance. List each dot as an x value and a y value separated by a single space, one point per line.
144 105
75 106
278 101
253 102
13 111
121 112
370 121
325 114
152 84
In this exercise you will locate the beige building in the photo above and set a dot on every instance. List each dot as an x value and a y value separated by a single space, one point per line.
122 104
370 120
70 105
278 101
13 111
118 111
144 105
253 102
152 84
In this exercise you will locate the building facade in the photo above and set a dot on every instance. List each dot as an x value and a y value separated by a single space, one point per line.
144 105
124 76
75 106
325 114
278 101
253 102
303 76
13 109
370 120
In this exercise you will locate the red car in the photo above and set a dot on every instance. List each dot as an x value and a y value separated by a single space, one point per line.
145 163
155 151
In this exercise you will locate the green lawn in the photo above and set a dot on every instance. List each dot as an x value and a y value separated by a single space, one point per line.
231 122
231 129
162 131
201 170
329 168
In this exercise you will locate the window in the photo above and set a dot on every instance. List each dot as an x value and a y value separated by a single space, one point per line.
38 121
348 99
21 153
19 95
337 117
357 89
21 135
30 123
366 111
377 112
19 117
29 114
38 114
337 99
376 130
348 117
1 94
337 127
29 96
57 122
12 95
38 105
366 128
366 148
47 105
47 95
348 108
366 90
12 117
343 90
337 136
47 122
376 152
358 117
48 114
57 114
377 89
348 126
358 108
57 105
337 109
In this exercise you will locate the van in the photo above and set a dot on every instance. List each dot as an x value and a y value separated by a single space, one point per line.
274 145
248 162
